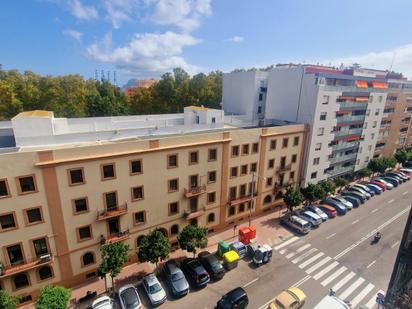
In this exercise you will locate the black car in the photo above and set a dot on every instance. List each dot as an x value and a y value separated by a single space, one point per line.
396 176
340 208
235 299
395 182
355 194
212 265
195 272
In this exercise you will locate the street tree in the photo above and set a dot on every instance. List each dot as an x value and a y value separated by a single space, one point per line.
365 172
192 237
401 156
292 198
8 301
53 297
313 192
340 182
377 165
154 247
328 187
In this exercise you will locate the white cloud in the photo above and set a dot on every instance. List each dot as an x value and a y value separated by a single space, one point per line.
81 11
400 56
148 52
77 35
235 39
119 11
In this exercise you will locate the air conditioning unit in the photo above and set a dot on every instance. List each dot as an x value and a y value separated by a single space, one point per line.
45 257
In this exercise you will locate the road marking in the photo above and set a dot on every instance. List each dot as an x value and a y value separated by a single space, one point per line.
371 264
251 282
282 251
354 222
338 285
375 210
301 257
395 244
333 276
372 302
319 264
303 279
331 235
373 232
404 193
352 288
302 282
391 201
290 255
285 243
325 270
354 302
312 259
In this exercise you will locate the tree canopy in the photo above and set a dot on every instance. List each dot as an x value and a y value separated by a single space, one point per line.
192 237
8 301
53 297
340 182
113 257
154 247
313 192
292 198
401 156
380 165
328 187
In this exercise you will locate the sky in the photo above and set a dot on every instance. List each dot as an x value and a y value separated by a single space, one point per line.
146 38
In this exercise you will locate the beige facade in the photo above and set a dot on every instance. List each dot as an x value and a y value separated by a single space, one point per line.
86 196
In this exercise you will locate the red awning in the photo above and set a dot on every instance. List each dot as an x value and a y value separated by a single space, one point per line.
361 84
346 98
362 99
380 85
343 112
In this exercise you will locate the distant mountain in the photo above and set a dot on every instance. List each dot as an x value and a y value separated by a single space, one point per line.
130 83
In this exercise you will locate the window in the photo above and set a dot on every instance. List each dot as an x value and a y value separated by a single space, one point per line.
173 185
321 131
110 199
21 281
137 193
193 181
76 176
88 259
173 208
233 171
296 141
294 158
193 202
34 215
377 112
365 125
272 144
84 233
139 217
235 151
369 147
136 167
380 98
271 163
25 299
211 176
318 146
80 205
269 181
313 175
283 162
285 142
4 188
193 157
243 169
232 193
232 210
211 218
245 149
366 159
211 197
259 109
255 147
368 112
260 96
213 154
174 230
27 184
281 179
172 161
108 171
372 135
15 254
213 119
267 199
40 247
242 190
241 208
292 176
7 221
253 167
45 272
325 99
316 161
374 124
323 116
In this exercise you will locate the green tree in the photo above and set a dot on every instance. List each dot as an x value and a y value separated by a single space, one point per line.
389 162
377 165
8 301
53 297
340 182
313 192
328 187
113 258
192 237
154 247
365 172
292 198
402 156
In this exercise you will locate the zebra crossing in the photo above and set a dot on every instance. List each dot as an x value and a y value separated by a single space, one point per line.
330 273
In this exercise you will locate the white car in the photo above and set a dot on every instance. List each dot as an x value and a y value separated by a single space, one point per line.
318 211
129 298
342 200
104 302
407 171
154 289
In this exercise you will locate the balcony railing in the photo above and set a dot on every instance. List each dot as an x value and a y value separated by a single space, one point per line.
189 215
350 118
115 237
341 171
111 212
347 133
239 200
26 264
284 168
195 191
345 146
352 105
343 158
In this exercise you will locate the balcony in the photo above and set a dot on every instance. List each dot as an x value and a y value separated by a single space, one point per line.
347 133
24 265
344 158
239 200
345 146
111 212
284 168
341 171
350 119
348 105
194 191
189 215
114 237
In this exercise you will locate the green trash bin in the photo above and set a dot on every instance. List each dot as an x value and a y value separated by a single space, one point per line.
222 248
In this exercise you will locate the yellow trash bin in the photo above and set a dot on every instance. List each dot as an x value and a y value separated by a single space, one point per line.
230 259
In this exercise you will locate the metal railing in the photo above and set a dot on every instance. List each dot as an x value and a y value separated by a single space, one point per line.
195 190
108 211
348 132
343 158
350 118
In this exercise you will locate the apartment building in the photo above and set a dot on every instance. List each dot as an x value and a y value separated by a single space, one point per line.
69 186
343 108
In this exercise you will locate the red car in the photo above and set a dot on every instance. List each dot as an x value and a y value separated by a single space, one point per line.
329 210
379 184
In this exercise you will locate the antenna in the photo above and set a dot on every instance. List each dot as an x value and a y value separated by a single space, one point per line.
108 76
393 59
115 78
102 76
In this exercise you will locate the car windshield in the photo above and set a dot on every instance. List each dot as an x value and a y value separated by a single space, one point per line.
177 276
216 266
101 303
130 299
155 288
279 304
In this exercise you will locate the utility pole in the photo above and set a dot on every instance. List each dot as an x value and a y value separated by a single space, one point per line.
251 199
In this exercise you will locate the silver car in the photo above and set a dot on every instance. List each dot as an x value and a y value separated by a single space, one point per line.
318 211
345 202
176 279
104 302
129 298
154 289
311 217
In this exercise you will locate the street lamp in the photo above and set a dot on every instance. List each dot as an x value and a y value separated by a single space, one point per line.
252 195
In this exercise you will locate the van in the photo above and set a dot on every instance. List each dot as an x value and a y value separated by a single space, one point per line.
331 302
296 223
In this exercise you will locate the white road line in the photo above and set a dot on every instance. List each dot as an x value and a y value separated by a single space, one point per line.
333 276
251 282
372 302
331 235
303 279
319 264
404 193
391 201
301 257
371 264
285 243
354 222
375 210
302 282
354 302
312 259
352 288
338 285
282 251
395 244
325 270
292 254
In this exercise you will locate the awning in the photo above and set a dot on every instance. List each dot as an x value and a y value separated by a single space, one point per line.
343 112
380 85
353 138
342 97
362 99
361 84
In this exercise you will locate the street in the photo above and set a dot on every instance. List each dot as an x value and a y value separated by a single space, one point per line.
337 255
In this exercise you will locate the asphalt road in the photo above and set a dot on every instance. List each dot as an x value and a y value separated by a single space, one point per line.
336 255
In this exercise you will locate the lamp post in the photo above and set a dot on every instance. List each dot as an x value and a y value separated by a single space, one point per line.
252 196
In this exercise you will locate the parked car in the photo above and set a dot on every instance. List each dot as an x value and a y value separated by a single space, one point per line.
235 299
407 171
298 224
212 265
311 217
340 208
378 190
345 202
364 188
397 176
154 289
395 182
408 177
292 298
388 185
175 279
354 200
314 208
357 189
129 298
104 302
329 210
377 183
195 272
356 194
